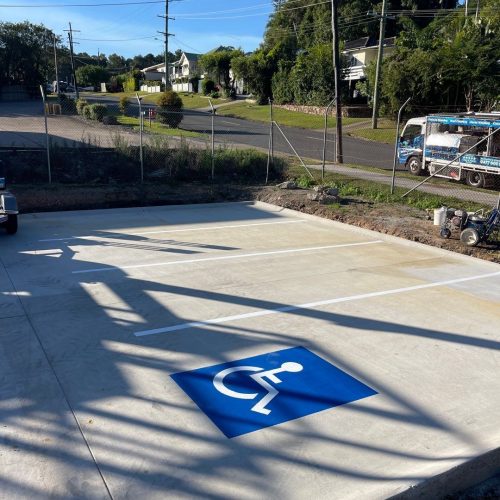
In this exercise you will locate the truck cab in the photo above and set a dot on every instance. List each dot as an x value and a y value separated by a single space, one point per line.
411 145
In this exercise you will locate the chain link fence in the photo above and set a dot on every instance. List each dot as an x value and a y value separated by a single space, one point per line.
98 140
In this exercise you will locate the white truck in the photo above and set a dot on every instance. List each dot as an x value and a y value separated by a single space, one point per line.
428 145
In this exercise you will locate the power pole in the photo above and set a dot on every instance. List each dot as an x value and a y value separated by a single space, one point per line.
166 34
70 36
339 156
379 65
55 65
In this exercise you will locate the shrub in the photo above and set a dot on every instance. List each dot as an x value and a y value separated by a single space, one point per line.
214 95
170 109
68 104
207 86
86 112
110 120
123 104
230 93
130 85
98 112
80 104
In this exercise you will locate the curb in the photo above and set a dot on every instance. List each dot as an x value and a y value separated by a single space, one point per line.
381 236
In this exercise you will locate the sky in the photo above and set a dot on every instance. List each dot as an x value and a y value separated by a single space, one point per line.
132 29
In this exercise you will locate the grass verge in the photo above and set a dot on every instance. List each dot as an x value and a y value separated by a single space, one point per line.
282 116
385 133
378 192
156 128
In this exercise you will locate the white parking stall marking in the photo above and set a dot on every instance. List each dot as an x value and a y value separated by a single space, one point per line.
225 257
166 231
310 305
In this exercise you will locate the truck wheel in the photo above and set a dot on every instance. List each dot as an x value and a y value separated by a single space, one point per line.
414 165
469 237
11 224
475 179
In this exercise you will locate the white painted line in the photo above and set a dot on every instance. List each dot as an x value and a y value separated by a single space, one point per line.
310 305
225 257
208 228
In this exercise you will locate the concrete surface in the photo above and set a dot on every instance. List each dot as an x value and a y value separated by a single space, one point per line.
88 408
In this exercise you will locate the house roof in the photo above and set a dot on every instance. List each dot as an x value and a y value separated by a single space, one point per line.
191 57
154 68
367 42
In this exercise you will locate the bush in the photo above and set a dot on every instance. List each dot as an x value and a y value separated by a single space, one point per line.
68 104
86 112
80 104
131 85
230 93
207 86
97 111
214 95
123 104
170 109
110 120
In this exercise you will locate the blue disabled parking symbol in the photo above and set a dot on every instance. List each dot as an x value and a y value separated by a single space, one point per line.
253 393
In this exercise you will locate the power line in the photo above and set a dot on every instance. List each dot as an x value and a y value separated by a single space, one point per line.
108 4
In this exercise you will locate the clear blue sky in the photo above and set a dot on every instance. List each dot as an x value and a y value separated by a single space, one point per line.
199 25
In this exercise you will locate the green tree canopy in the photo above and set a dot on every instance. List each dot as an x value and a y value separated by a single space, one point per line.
91 75
24 58
218 64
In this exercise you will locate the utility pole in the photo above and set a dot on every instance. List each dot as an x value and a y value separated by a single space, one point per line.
55 65
379 65
339 156
70 36
166 34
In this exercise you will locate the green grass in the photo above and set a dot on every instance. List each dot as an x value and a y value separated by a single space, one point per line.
386 132
281 116
194 101
190 101
156 128
380 193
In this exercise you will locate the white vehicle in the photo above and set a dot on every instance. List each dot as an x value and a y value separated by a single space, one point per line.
8 209
429 144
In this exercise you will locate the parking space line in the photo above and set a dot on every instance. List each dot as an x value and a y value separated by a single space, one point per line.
310 305
209 228
225 257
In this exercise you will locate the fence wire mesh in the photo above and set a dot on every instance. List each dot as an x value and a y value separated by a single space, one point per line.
104 141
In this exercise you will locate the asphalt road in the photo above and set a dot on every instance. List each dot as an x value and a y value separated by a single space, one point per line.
308 143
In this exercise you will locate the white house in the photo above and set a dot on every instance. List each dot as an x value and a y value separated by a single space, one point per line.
180 72
359 54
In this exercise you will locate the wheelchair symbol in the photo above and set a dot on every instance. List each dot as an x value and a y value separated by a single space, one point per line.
259 377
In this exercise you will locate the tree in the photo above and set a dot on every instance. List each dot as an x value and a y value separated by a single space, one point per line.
91 75
257 71
24 58
219 63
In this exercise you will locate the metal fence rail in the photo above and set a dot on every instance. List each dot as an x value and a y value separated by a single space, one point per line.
56 141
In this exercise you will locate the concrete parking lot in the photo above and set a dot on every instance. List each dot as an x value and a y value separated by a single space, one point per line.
140 350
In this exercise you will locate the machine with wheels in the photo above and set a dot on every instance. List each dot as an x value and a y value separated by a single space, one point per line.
463 147
480 227
8 209
472 227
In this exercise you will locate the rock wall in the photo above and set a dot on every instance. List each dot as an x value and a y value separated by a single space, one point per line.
347 111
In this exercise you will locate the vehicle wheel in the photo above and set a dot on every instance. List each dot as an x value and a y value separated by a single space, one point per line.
11 224
445 233
414 166
469 237
475 179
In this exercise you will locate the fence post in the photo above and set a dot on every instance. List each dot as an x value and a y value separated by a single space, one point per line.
393 181
213 140
324 137
139 99
270 151
47 141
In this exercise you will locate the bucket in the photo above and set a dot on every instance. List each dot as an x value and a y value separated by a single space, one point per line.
439 216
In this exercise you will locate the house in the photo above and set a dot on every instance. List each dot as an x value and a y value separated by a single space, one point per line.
359 54
180 72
